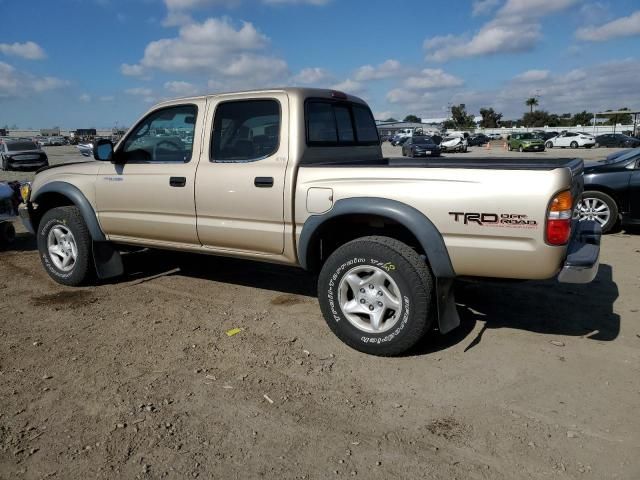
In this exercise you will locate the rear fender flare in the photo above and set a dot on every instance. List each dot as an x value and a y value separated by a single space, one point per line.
418 224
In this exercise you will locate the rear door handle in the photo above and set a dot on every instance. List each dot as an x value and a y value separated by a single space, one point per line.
263 182
177 181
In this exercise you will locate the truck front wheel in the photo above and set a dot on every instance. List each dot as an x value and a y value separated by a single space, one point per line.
376 295
64 245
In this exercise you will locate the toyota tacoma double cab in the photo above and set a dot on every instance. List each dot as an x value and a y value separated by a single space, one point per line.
296 176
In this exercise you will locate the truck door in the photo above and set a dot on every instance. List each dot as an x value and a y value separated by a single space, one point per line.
150 196
241 176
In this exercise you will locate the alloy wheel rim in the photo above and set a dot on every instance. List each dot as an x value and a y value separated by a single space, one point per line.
370 299
594 209
62 248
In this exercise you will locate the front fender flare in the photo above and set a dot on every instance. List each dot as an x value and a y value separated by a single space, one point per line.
74 194
418 224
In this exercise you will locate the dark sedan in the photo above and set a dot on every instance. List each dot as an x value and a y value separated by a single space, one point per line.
21 153
617 140
612 191
420 147
478 140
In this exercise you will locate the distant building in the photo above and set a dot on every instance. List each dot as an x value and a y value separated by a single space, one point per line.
50 132
391 128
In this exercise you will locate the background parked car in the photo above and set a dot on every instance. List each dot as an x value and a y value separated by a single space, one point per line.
21 153
617 140
525 142
571 139
612 191
478 140
420 147
399 141
453 144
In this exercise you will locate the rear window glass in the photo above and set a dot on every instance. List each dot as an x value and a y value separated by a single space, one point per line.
17 146
343 120
339 123
365 124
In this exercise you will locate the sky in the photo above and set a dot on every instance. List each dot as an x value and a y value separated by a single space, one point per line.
103 63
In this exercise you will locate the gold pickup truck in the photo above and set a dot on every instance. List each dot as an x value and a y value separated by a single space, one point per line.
296 176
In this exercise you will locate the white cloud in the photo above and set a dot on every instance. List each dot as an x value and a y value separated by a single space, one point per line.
482 7
107 98
620 27
131 70
181 88
312 76
215 47
533 76
85 98
139 91
403 96
14 83
349 86
432 79
28 50
515 28
388 69
296 2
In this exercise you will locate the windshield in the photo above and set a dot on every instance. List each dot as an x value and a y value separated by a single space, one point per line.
18 146
628 155
528 136
423 141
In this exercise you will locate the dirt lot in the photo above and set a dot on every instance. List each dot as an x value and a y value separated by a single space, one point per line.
137 378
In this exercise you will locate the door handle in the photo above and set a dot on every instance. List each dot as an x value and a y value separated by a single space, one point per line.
263 182
177 181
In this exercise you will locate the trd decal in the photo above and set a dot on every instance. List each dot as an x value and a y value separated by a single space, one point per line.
494 219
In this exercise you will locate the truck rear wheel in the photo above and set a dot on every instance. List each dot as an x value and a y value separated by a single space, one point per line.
64 245
376 295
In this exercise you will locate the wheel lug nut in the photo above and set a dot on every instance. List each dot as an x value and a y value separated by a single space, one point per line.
362 290
371 287
362 300
379 293
371 307
379 304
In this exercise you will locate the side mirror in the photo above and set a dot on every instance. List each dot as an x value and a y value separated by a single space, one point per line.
103 150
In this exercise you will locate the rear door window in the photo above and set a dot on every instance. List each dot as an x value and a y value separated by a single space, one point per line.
245 131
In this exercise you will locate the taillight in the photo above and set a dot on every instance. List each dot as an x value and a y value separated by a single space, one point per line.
559 219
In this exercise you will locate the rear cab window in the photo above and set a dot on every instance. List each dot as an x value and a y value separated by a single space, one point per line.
339 123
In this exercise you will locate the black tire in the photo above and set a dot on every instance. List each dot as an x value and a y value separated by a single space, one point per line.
509 146
7 234
521 149
613 208
5 165
574 145
414 282
549 145
83 270
588 146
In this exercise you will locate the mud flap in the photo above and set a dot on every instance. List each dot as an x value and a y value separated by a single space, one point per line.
448 318
107 260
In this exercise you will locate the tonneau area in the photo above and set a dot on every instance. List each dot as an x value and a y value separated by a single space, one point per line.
575 164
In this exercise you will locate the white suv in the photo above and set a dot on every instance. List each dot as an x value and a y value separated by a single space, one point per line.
571 139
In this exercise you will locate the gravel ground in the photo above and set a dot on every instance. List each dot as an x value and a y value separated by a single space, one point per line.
137 378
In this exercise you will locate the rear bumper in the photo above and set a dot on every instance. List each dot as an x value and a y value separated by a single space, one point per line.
25 216
583 254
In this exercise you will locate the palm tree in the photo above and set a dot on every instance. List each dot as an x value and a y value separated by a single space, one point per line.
531 102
